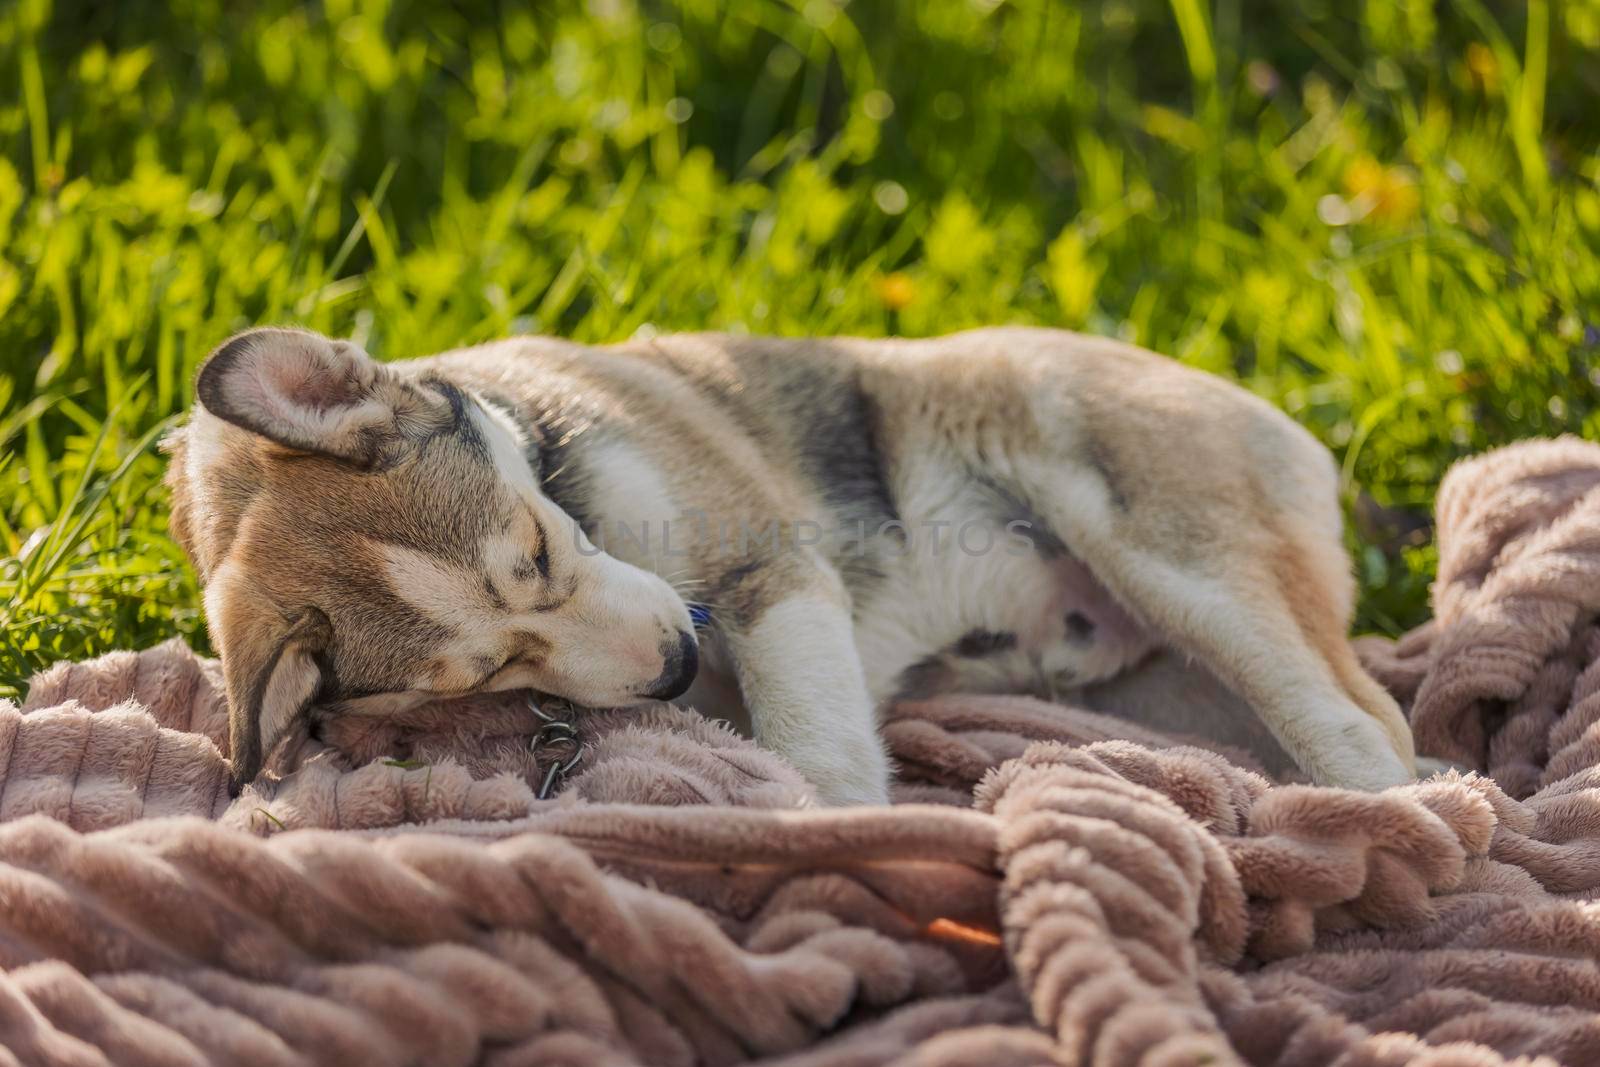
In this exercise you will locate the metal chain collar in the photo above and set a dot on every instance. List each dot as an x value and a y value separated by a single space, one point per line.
559 732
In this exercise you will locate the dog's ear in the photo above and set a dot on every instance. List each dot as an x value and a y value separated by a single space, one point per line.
312 394
270 671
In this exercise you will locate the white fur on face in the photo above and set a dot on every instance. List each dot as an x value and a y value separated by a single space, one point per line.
605 643
606 622
451 596
507 560
506 449
506 557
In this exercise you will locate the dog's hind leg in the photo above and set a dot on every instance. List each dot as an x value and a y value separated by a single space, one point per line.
1254 585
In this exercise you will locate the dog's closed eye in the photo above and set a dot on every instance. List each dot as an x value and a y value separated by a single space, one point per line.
534 566
487 667
538 564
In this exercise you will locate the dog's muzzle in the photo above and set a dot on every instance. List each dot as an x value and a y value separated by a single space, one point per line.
682 662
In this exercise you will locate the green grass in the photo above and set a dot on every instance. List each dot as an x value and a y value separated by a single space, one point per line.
1384 217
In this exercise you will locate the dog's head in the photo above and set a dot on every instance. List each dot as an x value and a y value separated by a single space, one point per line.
368 536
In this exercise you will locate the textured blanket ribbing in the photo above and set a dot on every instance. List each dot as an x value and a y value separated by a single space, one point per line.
1104 895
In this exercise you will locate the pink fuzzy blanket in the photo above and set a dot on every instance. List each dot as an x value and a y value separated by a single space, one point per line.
1056 886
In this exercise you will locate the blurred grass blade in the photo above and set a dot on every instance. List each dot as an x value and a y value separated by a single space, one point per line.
88 506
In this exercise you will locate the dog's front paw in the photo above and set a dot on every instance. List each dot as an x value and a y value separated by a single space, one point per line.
852 795
1371 773
845 774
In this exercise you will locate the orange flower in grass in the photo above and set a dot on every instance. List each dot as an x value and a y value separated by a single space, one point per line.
1388 194
895 291
1484 66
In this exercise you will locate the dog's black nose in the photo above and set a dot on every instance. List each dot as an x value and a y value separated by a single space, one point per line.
682 662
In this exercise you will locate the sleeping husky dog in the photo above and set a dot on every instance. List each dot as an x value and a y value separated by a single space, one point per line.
844 521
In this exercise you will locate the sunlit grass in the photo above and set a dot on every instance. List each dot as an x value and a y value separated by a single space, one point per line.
1382 217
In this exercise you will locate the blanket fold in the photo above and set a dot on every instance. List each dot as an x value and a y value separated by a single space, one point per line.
1054 885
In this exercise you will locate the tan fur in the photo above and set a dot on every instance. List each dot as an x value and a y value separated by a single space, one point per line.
1168 507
